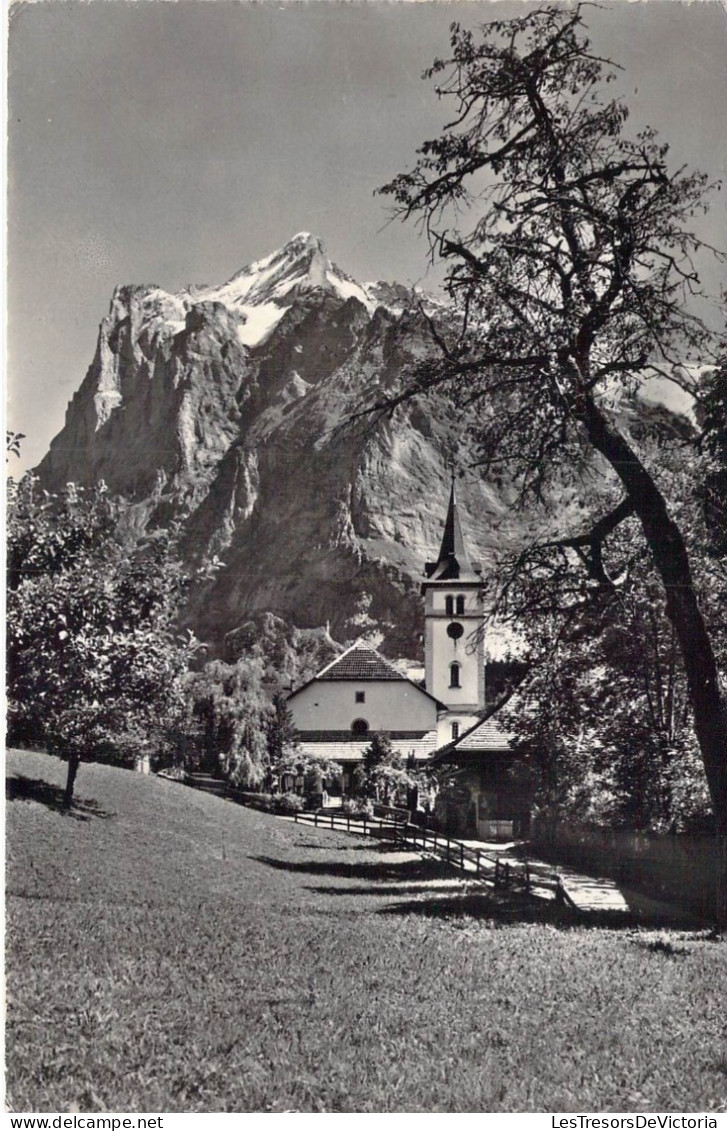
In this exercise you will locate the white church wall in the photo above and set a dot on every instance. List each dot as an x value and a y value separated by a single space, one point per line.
388 705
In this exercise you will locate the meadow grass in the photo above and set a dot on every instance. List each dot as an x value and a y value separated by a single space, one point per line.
168 950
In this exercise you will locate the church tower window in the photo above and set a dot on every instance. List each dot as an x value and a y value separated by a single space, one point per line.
454 670
455 731
460 606
359 727
449 606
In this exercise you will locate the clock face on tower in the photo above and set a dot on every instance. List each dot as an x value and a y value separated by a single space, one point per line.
455 631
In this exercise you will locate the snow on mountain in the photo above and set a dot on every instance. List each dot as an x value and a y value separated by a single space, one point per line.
263 291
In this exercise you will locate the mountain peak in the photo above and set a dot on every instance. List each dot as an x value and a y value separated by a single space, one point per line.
264 290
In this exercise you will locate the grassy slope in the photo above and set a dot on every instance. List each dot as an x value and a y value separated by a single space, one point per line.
170 951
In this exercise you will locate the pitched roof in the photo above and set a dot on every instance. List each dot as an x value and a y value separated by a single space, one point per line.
453 561
358 662
486 737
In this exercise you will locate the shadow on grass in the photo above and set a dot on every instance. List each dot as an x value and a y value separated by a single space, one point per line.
509 910
333 847
20 788
404 871
385 889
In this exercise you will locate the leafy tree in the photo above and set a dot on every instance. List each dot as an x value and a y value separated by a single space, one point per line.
572 287
94 662
382 775
233 712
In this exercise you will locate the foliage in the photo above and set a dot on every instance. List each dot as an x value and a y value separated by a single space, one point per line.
282 737
290 655
605 709
289 803
713 484
574 284
382 775
95 665
232 713
12 443
359 807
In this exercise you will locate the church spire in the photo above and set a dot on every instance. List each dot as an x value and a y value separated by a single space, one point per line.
453 561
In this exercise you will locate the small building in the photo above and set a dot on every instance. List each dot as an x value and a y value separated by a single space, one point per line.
483 785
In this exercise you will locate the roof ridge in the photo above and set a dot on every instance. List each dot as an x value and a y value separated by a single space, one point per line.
336 659
361 645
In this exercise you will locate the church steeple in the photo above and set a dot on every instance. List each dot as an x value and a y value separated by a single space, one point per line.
454 650
453 562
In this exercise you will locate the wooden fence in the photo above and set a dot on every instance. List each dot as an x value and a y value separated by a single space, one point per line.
395 825
489 868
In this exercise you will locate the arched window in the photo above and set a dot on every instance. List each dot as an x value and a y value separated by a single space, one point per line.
359 726
460 606
455 731
454 675
449 606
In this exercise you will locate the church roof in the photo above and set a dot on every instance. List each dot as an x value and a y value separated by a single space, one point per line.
358 662
486 737
453 562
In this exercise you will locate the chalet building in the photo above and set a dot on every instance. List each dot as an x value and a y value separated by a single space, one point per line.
483 791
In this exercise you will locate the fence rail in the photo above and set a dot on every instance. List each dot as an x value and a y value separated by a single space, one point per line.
395 825
487 867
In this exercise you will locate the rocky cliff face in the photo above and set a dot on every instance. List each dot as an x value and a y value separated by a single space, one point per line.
234 409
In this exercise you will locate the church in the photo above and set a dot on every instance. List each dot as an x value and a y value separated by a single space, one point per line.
361 692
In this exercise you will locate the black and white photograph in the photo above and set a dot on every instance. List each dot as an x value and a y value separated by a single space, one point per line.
366 547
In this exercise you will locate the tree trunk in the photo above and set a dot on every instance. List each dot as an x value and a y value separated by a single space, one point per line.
669 554
74 762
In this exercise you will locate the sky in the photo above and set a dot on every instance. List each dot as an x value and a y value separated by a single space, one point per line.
171 143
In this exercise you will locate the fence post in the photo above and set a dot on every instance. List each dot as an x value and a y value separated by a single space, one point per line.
315 819
477 864
449 845
295 816
461 857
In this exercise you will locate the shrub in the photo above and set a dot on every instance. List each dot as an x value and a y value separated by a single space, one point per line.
288 803
358 807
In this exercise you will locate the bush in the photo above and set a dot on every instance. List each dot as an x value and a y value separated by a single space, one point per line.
358 807
288 803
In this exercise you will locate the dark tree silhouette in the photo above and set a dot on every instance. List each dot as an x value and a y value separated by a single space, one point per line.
571 287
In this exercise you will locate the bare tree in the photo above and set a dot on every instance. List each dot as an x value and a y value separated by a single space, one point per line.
573 284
